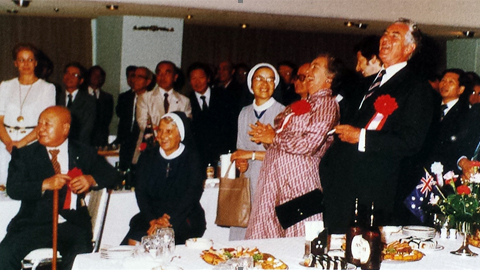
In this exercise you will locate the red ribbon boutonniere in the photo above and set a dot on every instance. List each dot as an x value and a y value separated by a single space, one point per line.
297 108
385 105
142 146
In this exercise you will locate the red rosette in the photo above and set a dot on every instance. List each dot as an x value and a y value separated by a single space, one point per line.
300 107
463 190
142 146
385 105
75 172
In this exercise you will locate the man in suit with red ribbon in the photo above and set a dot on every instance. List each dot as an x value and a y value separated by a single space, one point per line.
390 124
35 172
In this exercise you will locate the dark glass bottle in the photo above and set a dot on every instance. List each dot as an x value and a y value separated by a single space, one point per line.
148 134
354 230
373 237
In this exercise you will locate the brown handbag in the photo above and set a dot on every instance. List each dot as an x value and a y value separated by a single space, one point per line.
233 208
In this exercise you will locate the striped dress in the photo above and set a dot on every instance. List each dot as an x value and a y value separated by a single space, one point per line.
290 167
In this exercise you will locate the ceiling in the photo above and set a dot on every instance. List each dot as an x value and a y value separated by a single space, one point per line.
441 18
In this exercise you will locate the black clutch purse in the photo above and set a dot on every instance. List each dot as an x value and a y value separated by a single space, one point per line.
300 208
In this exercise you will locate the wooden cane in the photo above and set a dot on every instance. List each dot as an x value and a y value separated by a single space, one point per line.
55 227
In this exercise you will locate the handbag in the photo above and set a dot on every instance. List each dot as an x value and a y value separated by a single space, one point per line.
233 208
300 208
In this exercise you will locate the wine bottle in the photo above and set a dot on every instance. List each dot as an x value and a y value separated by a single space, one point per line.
354 230
373 237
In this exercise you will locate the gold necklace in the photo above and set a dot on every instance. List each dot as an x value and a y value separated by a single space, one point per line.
20 117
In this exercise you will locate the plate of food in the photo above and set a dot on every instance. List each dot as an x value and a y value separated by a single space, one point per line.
261 260
401 252
422 244
326 262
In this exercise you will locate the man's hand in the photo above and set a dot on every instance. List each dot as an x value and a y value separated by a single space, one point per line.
55 182
348 134
82 183
467 168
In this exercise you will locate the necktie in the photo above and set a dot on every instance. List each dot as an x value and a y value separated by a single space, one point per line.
376 84
204 103
56 168
69 103
166 105
443 108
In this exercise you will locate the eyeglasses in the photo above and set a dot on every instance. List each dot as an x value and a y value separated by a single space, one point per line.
259 78
301 77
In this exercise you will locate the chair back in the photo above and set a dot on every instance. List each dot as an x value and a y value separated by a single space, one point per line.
97 204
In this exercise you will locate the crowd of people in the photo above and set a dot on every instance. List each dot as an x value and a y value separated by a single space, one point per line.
292 131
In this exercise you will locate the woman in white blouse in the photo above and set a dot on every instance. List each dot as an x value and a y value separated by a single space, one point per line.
22 100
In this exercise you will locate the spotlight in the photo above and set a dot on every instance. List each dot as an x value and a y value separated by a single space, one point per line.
12 11
22 3
244 26
348 24
468 34
362 25
112 7
56 9
189 17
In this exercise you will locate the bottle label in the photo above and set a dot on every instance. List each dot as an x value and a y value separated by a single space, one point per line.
360 249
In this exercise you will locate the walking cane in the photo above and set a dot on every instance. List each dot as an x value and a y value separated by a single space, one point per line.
55 227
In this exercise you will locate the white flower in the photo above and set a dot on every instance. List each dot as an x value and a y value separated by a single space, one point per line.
434 199
436 168
450 175
475 178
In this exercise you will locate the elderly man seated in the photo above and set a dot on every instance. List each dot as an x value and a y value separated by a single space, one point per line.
35 172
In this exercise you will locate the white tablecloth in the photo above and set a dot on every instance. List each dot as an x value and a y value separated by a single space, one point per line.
289 250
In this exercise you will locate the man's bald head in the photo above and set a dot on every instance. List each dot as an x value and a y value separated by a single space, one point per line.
53 126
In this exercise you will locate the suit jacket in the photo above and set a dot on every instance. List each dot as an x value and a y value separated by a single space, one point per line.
31 165
103 117
214 130
128 130
151 104
372 176
83 112
445 136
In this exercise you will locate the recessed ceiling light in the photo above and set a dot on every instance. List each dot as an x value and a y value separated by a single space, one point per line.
112 7
469 34
22 3
12 11
56 9
189 17
244 26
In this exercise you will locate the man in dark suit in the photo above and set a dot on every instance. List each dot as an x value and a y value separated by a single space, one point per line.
443 141
390 124
104 106
32 178
128 130
214 123
80 104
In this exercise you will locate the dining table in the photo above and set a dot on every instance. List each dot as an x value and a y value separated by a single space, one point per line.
289 250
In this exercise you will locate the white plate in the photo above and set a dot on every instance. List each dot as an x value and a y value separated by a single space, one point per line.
117 252
349 266
199 243
419 231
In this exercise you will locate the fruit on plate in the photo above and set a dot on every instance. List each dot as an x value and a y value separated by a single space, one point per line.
398 251
260 260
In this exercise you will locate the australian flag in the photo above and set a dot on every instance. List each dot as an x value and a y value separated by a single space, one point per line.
420 196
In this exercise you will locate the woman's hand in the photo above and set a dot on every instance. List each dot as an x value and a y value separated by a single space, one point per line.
242 165
161 222
262 133
241 154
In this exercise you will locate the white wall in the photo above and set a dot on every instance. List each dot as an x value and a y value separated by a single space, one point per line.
117 45
147 48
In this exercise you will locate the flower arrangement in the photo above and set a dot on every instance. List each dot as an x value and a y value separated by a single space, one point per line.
457 200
